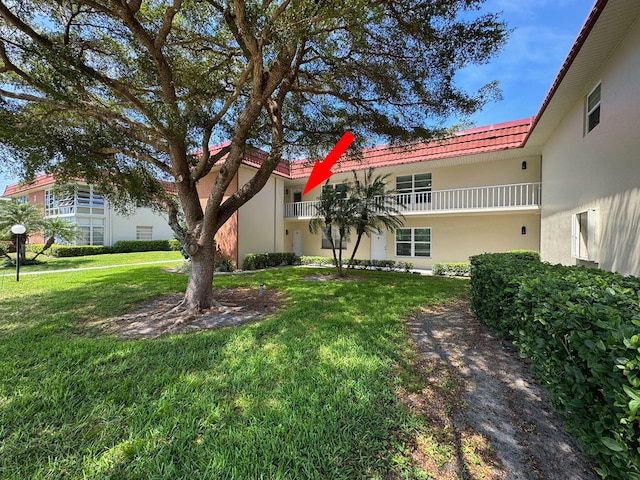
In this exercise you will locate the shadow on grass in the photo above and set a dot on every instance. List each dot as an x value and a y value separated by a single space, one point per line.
306 393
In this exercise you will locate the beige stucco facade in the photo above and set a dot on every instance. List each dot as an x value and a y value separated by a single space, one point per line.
597 174
261 219
455 234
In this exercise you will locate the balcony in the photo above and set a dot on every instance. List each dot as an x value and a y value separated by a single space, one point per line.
514 197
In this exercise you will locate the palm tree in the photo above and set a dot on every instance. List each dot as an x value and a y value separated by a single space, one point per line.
334 213
60 228
375 209
26 214
364 207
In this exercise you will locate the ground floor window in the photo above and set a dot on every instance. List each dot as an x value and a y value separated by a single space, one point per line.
326 244
144 233
92 230
584 235
413 242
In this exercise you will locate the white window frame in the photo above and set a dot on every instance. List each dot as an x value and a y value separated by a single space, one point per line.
335 233
144 232
585 235
93 231
593 111
413 242
414 188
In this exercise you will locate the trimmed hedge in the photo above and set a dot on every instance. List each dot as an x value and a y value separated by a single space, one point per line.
258 261
581 329
128 246
452 269
121 246
76 251
358 263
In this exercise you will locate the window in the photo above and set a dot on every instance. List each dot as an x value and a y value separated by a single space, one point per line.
584 235
416 187
144 233
340 189
413 242
593 109
92 230
58 202
83 199
414 183
326 244
22 199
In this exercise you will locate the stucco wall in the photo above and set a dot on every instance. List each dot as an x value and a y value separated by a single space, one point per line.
119 227
261 219
454 238
498 172
599 170
227 236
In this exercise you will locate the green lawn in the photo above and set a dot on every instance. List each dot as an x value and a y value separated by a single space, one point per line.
52 263
309 392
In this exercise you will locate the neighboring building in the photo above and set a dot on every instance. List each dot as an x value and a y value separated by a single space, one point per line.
84 205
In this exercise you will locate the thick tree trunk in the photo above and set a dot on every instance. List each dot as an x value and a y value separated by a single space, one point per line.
199 294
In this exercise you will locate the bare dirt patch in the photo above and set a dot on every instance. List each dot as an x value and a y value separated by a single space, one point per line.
332 277
157 317
500 421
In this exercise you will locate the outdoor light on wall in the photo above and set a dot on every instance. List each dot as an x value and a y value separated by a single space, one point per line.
18 230
524 165
523 230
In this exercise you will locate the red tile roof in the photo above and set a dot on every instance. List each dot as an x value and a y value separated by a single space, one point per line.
491 138
39 182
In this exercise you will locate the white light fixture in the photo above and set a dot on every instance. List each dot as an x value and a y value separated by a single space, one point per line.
18 229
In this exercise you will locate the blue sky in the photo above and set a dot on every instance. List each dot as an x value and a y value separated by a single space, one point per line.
544 31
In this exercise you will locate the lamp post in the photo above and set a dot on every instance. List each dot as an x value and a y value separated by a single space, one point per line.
18 230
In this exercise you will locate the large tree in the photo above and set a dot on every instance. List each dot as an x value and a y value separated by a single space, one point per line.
122 92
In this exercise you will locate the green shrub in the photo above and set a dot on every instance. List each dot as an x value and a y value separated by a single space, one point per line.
225 264
36 247
581 329
317 261
258 261
128 246
77 251
531 255
452 269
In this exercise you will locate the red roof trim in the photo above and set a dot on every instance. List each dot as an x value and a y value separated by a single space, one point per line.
491 138
38 182
595 13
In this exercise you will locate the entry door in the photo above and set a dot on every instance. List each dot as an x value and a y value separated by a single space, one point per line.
379 246
297 242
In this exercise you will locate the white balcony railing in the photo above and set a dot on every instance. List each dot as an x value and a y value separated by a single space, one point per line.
496 197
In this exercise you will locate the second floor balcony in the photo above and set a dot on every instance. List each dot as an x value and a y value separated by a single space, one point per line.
512 197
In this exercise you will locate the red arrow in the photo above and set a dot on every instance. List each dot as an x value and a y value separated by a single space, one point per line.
322 171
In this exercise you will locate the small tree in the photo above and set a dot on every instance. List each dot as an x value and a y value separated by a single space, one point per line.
58 228
26 214
364 207
334 213
374 208
31 217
